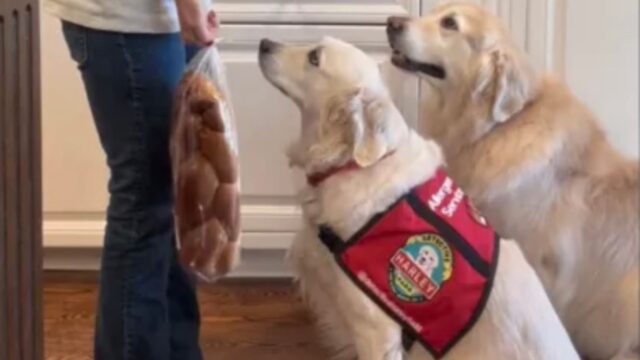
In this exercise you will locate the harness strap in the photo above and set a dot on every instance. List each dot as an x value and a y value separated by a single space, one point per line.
330 239
407 340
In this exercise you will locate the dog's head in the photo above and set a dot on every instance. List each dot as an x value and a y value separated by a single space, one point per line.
461 49
347 113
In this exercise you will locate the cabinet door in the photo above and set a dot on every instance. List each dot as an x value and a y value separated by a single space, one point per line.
349 12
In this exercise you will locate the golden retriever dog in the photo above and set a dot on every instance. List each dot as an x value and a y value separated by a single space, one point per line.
537 164
347 115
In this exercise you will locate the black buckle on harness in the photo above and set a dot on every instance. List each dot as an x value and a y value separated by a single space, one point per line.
330 239
407 340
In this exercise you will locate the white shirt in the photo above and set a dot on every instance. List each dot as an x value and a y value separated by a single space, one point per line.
137 16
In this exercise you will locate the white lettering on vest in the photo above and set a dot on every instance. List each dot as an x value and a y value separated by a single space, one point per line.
438 197
451 208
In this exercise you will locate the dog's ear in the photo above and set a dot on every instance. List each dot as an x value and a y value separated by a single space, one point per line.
369 143
506 80
333 129
350 127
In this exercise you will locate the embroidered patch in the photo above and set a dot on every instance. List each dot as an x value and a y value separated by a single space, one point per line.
418 270
475 213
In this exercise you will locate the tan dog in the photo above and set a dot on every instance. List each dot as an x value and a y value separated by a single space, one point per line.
538 165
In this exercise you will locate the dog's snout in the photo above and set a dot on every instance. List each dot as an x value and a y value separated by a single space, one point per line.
396 24
268 46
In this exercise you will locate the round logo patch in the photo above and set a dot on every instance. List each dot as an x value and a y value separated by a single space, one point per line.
418 270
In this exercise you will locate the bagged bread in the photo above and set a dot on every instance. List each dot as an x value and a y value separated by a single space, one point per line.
204 156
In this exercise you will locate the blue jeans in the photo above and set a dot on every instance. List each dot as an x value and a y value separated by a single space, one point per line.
147 307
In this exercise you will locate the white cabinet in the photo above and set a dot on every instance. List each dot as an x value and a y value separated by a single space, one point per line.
74 188
74 172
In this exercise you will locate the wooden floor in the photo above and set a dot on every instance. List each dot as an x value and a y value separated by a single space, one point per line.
240 321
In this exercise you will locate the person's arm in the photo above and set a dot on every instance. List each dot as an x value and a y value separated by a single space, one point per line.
198 27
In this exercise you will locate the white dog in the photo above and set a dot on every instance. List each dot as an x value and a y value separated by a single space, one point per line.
538 165
348 116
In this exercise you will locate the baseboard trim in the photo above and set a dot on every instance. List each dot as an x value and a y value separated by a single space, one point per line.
263 228
255 263
90 235
73 241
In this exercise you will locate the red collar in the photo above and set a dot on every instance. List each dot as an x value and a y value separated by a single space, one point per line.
315 179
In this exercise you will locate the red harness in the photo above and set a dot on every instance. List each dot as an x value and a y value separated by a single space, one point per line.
428 262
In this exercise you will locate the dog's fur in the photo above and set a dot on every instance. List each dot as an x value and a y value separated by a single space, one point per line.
347 114
539 167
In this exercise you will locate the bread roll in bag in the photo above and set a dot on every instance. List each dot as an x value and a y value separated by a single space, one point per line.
205 169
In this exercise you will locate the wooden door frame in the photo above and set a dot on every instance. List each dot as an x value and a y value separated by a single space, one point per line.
21 320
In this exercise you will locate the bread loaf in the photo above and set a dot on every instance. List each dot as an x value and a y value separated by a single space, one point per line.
228 258
206 175
197 184
216 239
225 206
215 148
212 119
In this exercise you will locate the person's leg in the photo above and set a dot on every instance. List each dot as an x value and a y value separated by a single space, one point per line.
183 305
183 313
129 80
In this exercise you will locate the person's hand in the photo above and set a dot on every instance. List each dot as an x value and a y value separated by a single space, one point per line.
197 27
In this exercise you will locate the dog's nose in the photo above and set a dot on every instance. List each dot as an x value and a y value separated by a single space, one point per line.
268 46
396 24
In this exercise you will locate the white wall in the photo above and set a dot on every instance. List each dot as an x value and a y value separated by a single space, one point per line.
601 64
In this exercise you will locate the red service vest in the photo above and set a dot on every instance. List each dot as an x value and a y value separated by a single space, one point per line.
428 261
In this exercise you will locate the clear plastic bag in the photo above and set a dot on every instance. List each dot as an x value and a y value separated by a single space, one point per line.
204 156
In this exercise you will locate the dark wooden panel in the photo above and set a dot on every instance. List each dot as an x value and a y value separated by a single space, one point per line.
20 182
3 242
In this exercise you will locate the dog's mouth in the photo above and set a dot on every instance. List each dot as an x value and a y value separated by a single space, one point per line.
280 88
267 68
403 62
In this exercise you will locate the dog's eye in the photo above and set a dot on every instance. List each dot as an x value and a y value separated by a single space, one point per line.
314 57
449 23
